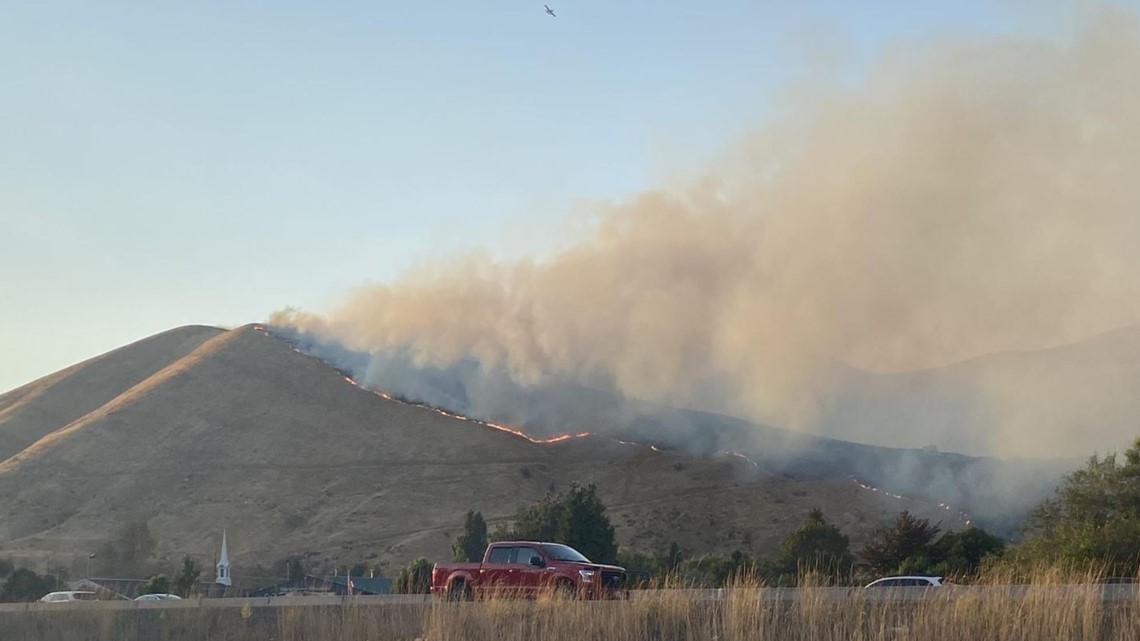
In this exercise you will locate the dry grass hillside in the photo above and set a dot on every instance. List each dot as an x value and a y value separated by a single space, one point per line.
29 413
200 429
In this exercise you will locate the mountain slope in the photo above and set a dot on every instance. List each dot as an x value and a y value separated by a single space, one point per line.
30 412
999 493
244 433
1058 402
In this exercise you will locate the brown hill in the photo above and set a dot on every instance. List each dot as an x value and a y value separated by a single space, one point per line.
1069 400
29 413
200 429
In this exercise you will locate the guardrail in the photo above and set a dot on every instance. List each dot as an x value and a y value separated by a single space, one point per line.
1117 593
239 602
1107 593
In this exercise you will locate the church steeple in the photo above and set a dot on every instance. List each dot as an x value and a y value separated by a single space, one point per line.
223 577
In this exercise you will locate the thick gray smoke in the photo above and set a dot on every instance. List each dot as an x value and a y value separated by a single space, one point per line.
964 199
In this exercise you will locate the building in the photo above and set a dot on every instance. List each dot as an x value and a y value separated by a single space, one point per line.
109 589
223 577
339 584
112 589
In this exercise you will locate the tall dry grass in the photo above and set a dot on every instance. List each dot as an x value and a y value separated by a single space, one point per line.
1056 606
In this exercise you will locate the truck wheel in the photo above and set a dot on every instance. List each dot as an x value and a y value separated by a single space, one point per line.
459 591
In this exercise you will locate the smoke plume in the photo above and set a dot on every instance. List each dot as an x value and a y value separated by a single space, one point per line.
963 199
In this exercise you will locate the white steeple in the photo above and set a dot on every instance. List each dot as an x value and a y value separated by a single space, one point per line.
223 577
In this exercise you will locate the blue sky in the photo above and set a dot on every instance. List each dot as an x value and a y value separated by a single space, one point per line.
166 163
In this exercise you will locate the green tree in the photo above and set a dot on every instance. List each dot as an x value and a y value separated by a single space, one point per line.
576 518
639 566
816 546
470 545
1094 517
717 571
539 522
157 584
961 553
24 585
903 547
672 559
129 552
586 526
186 579
6 568
415 578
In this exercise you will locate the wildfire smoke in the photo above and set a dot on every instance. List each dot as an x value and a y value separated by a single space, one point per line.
964 198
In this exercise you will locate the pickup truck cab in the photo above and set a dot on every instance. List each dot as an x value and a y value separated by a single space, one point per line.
526 569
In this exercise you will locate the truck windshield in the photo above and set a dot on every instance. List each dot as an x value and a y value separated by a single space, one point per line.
563 553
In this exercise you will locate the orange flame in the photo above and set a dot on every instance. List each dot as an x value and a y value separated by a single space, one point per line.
560 438
744 457
495 426
945 506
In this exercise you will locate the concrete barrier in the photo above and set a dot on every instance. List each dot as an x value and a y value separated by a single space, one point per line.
253 602
1119 593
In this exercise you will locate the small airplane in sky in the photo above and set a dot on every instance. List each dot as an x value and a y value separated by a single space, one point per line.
550 11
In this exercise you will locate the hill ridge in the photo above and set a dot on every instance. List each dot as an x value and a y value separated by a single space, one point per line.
48 403
117 403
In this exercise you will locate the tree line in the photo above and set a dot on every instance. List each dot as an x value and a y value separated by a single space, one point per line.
1092 523
23 584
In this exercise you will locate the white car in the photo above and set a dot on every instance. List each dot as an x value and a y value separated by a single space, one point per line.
68 597
158 597
907 582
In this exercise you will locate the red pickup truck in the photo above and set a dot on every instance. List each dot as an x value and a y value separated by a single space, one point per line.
526 569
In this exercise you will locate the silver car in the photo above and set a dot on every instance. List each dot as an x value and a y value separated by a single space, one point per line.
68 597
906 582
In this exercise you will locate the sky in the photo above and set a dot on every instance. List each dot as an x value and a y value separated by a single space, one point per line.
210 162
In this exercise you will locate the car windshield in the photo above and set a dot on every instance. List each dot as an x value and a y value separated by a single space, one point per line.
563 553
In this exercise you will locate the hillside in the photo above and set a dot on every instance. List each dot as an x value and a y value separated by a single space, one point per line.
29 413
892 455
1064 401
243 432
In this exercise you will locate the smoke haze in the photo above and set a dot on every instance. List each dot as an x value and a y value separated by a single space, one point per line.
964 199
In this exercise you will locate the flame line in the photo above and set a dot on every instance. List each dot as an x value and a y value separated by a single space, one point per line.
495 426
945 506
560 438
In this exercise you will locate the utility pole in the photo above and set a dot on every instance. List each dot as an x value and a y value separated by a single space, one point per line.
89 557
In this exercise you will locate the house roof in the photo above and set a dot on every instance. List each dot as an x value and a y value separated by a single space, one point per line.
128 588
121 588
360 584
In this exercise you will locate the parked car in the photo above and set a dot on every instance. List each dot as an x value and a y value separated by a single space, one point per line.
907 582
158 597
526 569
68 597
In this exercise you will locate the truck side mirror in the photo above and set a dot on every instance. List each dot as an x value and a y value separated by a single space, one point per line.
537 561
